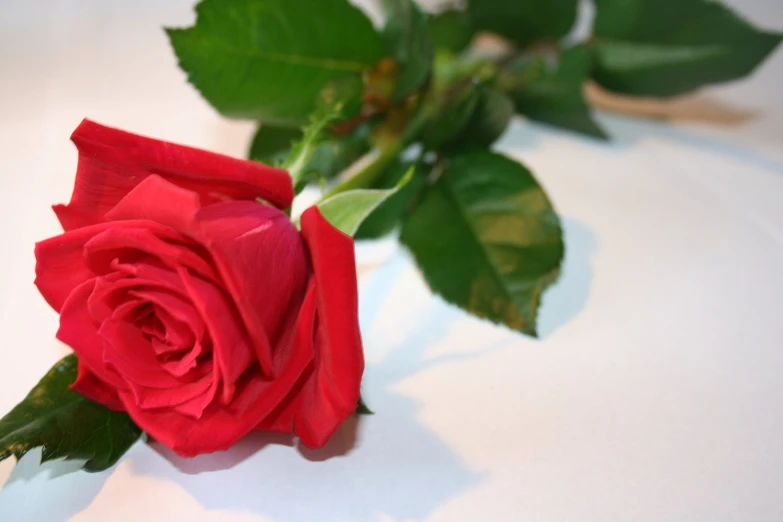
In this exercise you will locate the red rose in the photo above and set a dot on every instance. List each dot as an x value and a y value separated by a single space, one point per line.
198 310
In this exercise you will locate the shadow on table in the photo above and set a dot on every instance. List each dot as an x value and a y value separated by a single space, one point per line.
48 492
563 301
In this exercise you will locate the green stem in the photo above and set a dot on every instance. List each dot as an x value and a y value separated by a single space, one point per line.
385 157
369 173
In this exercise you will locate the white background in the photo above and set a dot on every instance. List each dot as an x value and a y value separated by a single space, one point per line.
656 393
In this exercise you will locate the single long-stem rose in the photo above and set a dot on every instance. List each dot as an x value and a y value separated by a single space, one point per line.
199 310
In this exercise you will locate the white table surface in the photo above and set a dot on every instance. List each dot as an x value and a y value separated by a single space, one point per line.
656 393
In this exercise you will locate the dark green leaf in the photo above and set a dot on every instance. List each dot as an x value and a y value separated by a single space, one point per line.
669 47
389 213
362 408
452 118
487 238
271 60
524 21
297 162
451 30
490 118
408 37
65 424
271 145
336 152
554 93
331 153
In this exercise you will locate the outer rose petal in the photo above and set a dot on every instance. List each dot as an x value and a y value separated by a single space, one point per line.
112 162
144 202
282 419
332 392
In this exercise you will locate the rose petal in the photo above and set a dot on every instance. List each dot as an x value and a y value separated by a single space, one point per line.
176 334
60 265
220 427
152 398
115 288
89 385
237 235
127 350
263 264
112 162
195 407
80 331
302 335
160 201
179 367
104 298
231 351
131 311
332 393
129 245
182 322
149 274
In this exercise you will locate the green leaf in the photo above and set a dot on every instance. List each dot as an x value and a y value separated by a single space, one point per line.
65 424
669 47
487 238
270 60
272 145
387 216
331 154
362 409
337 152
524 21
346 210
451 30
489 119
554 93
408 38
453 118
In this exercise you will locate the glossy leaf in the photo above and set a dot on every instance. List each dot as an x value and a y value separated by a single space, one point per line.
524 21
387 216
65 424
487 238
408 38
669 47
451 29
347 210
271 60
554 93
